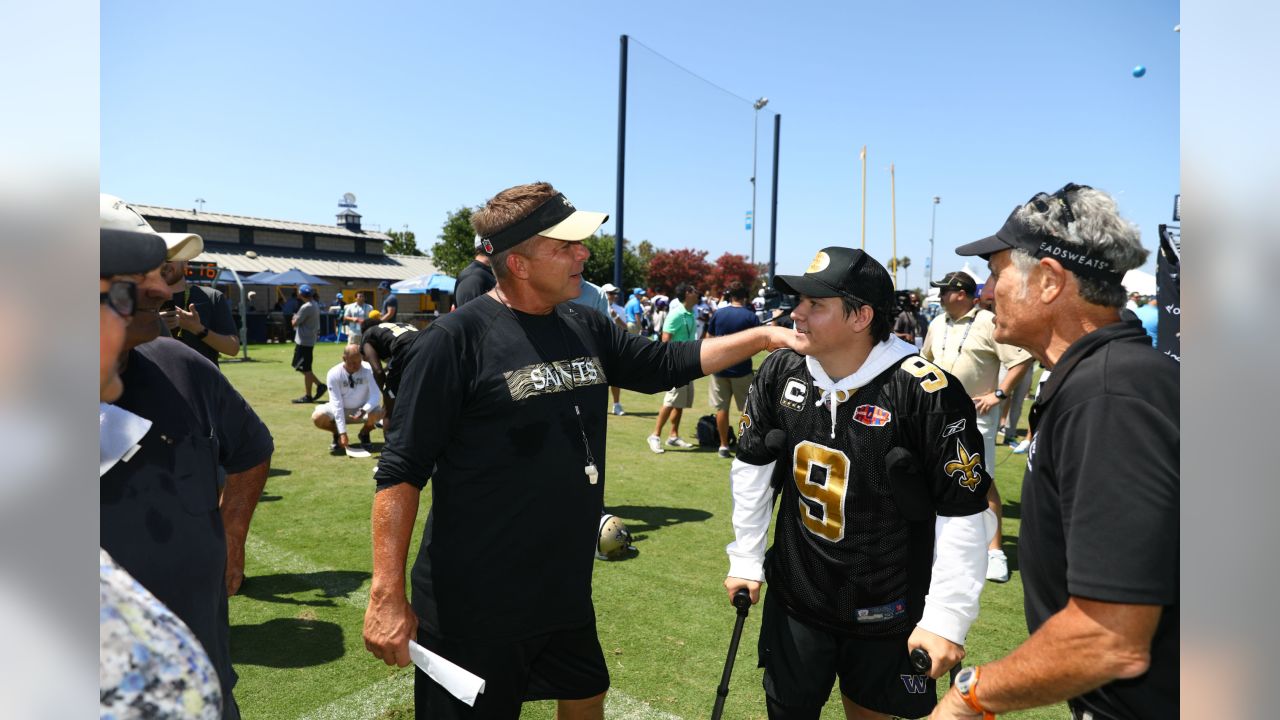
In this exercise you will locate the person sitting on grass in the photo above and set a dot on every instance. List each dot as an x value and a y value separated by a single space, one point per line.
355 399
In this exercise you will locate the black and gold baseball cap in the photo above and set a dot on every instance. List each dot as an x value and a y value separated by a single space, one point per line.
957 280
841 271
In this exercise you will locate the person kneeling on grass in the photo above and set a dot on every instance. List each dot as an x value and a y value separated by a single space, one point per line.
354 399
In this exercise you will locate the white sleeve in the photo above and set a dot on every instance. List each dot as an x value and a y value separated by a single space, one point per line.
959 571
334 379
752 508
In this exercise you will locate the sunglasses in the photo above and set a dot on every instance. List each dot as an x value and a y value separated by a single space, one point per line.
1041 201
121 297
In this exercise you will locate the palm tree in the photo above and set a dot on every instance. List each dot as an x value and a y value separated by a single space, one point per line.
905 263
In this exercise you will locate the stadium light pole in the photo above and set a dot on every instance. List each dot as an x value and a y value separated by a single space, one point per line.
622 161
773 209
932 226
755 154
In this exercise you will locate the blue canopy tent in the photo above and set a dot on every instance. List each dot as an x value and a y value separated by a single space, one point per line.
424 284
292 276
258 278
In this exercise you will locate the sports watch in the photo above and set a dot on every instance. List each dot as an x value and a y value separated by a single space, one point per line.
202 334
1001 394
967 685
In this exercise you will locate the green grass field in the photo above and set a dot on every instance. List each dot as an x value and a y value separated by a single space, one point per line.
664 619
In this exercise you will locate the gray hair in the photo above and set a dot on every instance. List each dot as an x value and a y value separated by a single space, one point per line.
1098 229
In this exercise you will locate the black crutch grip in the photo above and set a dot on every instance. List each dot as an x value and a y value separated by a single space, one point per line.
741 601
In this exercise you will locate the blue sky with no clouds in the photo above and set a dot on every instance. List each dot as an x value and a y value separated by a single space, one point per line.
276 109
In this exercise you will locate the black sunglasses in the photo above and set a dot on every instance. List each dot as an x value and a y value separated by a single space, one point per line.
121 297
1041 201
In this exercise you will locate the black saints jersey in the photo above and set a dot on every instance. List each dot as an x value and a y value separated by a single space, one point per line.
844 555
388 338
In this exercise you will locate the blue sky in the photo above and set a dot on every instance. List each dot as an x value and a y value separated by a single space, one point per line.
275 109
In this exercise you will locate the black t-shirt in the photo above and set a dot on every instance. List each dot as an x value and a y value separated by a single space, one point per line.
158 511
1100 501
215 313
475 280
841 542
486 410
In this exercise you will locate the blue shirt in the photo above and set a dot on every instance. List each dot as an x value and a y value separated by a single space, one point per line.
633 310
727 321
1150 317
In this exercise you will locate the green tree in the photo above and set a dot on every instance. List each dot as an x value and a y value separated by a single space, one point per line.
402 243
457 246
599 267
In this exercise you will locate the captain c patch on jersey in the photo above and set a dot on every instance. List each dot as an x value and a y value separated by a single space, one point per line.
793 394
965 467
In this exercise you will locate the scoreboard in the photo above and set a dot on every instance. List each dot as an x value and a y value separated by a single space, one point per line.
202 272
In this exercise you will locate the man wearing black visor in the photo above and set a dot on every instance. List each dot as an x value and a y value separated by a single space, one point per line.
502 406
1099 542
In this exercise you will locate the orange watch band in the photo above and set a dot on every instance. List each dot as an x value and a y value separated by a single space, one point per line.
970 697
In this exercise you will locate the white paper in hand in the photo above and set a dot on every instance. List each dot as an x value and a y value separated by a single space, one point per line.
356 452
460 683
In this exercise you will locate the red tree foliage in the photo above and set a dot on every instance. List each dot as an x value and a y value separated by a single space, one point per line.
671 267
730 267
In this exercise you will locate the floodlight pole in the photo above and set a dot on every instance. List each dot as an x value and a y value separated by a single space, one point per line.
773 210
622 161
755 141
932 225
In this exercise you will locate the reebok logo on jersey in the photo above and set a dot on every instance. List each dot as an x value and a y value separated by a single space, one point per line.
553 377
793 394
953 428
872 415
916 684
965 466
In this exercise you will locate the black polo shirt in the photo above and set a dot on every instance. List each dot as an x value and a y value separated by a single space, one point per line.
1100 501
158 511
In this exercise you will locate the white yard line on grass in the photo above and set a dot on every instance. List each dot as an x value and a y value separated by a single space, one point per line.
368 703
372 701
286 561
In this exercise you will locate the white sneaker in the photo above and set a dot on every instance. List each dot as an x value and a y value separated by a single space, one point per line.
617 409
655 444
678 442
997 566
1022 447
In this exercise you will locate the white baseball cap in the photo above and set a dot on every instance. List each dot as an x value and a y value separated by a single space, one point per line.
116 214
609 288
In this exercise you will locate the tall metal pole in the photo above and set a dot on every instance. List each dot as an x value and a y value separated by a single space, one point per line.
622 161
864 197
773 209
755 138
893 211
932 225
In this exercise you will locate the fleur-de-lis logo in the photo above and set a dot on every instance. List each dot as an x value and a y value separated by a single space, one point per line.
966 466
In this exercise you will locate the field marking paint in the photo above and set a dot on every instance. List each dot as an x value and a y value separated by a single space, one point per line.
368 703
372 701
621 706
291 563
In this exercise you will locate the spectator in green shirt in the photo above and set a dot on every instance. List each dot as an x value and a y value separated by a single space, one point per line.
680 326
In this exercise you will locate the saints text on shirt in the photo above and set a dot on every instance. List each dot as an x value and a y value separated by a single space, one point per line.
545 378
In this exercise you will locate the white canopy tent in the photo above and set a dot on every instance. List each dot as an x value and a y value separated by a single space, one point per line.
1137 281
